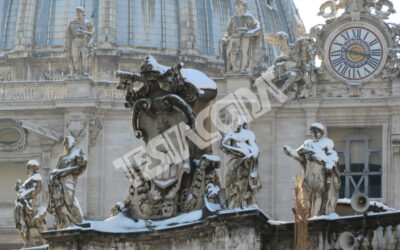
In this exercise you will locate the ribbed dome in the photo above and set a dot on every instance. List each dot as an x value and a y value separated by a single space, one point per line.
173 25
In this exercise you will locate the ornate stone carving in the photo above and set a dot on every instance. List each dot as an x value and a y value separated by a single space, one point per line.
383 8
164 102
8 126
368 89
62 185
5 76
242 181
95 126
320 183
79 42
46 75
243 37
28 217
76 126
294 72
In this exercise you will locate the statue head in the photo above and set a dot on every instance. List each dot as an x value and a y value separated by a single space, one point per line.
168 207
69 143
241 7
80 13
317 130
32 167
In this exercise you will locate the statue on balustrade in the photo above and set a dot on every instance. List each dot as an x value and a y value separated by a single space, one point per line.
294 71
28 217
79 42
242 180
319 186
62 185
243 38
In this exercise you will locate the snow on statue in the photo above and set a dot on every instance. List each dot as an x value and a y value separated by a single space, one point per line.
62 185
242 181
320 183
28 217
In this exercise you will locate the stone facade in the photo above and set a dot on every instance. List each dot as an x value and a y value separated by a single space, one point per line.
35 94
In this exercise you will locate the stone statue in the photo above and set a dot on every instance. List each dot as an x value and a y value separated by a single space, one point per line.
28 217
295 70
62 185
320 183
78 43
243 38
162 187
383 8
242 181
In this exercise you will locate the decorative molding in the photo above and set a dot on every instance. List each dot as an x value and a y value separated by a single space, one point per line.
76 126
95 127
16 125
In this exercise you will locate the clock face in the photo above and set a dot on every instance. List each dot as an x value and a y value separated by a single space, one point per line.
356 53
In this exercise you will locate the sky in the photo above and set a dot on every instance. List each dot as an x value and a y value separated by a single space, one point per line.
308 10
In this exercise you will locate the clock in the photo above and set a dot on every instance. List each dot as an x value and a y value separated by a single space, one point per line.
355 52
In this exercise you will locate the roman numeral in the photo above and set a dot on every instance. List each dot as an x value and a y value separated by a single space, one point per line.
338 44
372 43
336 53
343 71
345 35
373 62
358 73
366 35
336 62
376 52
366 70
356 33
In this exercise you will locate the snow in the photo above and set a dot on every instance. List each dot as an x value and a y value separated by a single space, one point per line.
198 78
318 125
214 158
35 177
193 76
277 222
238 209
70 141
45 246
331 216
245 143
371 203
123 224
33 163
213 207
74 153
322 150
164 183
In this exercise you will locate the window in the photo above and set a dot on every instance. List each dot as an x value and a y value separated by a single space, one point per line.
360 160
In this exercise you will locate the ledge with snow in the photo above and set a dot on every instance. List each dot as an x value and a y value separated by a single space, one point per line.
228 229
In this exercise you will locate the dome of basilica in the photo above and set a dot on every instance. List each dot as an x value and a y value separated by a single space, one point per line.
165 27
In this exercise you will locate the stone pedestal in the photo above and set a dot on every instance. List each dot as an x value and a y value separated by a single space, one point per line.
231 229
236 81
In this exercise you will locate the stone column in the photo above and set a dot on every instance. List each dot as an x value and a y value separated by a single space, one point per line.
107 23
187 26
394 142
25 25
